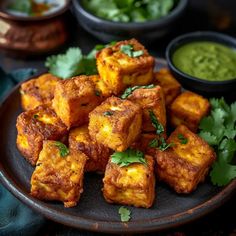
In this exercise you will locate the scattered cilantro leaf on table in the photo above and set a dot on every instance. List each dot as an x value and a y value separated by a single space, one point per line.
219 130
128 157
125 214
64 150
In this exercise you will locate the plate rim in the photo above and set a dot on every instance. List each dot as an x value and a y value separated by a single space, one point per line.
150 225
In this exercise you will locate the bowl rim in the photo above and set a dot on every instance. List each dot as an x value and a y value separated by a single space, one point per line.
5 15
192 37
131 25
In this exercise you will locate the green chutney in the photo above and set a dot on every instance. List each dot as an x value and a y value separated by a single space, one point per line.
206 60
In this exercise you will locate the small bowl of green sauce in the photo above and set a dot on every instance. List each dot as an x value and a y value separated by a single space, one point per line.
204 62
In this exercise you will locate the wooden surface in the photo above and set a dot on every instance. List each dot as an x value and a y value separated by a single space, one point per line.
201 15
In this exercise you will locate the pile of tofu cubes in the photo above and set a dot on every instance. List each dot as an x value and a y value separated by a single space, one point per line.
87 114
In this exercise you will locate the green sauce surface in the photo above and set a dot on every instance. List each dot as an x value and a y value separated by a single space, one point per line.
206 60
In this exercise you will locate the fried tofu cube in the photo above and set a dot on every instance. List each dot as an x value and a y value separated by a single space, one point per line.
74 99
188 109
35 126
150 99
118 70
187 162
39 91
98 154
58 177
171 87
130 185
101 88
116 123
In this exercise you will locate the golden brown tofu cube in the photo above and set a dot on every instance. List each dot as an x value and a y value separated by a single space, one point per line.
186 163
118 70
102 89
130 185
150 99
98 154
58 177
74 99
38 91
33 127
188 109
116 123
170 86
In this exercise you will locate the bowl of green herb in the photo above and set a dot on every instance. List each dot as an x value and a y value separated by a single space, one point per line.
145 20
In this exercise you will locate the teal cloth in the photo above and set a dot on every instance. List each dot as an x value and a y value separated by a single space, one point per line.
15 217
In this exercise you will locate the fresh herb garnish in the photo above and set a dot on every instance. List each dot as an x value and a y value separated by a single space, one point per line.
129 10
219 130
128 157
125 214
155 123
97 93
64 151
182 139
108 113
24 6
129 50
130 90
161 144
73 63
36 116
153 143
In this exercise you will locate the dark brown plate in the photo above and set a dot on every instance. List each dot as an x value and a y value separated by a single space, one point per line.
92 212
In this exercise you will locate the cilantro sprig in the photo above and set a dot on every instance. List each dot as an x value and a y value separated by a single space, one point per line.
125 214
159 143
219 130
130 90
128 157
73 62
64 151
182 139
128 49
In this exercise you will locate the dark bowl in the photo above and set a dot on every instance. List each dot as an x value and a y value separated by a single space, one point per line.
204 87
108 31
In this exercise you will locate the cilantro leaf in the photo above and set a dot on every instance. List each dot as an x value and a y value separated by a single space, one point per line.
182 139
24 6
211 139
218 129
128 157
108 113
164 145
130 90
153 143
155 123
222 173
125 214
129 50
64 151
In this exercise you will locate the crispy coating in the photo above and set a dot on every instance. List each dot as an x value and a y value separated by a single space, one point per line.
33 127
102 89
131 185
115 123
184 165
188 109
119 70
151 99
38 91
56 177
98 154
74 99
170 86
